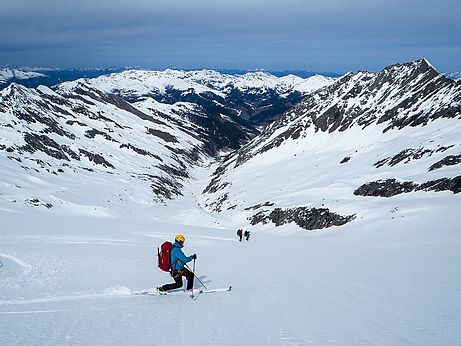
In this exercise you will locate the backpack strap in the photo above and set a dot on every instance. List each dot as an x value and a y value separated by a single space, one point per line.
172 264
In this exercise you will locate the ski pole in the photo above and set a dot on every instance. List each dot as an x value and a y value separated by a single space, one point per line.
193 278
197 276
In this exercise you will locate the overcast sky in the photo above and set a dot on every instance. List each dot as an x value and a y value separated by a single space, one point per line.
322 35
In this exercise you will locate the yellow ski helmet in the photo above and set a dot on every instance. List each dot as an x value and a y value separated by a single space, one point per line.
180 238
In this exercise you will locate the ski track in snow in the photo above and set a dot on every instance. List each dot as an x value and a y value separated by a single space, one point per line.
27 268
62 298
31 312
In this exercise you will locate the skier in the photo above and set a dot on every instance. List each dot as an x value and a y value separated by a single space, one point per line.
240 233
178 261
247 235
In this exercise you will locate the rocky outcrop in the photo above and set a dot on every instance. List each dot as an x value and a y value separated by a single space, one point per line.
259 205
450 160
96 158
35 202
385 188
443 184
408 155
140 151
306 218
163 135
47 145
392 187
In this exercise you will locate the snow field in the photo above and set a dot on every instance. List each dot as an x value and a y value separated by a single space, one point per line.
308 172
68 281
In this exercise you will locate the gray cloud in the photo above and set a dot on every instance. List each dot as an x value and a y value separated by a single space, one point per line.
319 35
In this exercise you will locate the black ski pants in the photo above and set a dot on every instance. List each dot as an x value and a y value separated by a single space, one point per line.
177 276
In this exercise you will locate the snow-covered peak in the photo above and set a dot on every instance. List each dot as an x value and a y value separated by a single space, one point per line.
308 85
17 94
410 69
427 63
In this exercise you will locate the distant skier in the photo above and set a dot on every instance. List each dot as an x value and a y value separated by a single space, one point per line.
240 234
247 235
178 261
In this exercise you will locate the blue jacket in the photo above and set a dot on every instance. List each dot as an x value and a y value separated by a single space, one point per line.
178 259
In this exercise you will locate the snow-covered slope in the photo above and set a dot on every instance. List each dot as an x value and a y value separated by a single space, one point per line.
55 148
70 281
367 134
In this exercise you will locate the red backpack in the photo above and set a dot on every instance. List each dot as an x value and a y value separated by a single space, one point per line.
164 256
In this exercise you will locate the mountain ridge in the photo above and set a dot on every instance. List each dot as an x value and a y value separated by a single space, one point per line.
332 144
338 107
51 77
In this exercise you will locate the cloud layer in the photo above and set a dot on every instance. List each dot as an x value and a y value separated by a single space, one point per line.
325 35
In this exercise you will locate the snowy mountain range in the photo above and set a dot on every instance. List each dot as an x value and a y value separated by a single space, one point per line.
96 173
135 128
258 97
361 133
50 77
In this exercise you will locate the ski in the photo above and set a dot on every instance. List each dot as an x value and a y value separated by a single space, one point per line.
192 294
213 290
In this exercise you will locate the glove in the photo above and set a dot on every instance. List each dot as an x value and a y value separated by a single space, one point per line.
194 256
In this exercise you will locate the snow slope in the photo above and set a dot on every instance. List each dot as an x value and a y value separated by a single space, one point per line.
55 148
68 280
